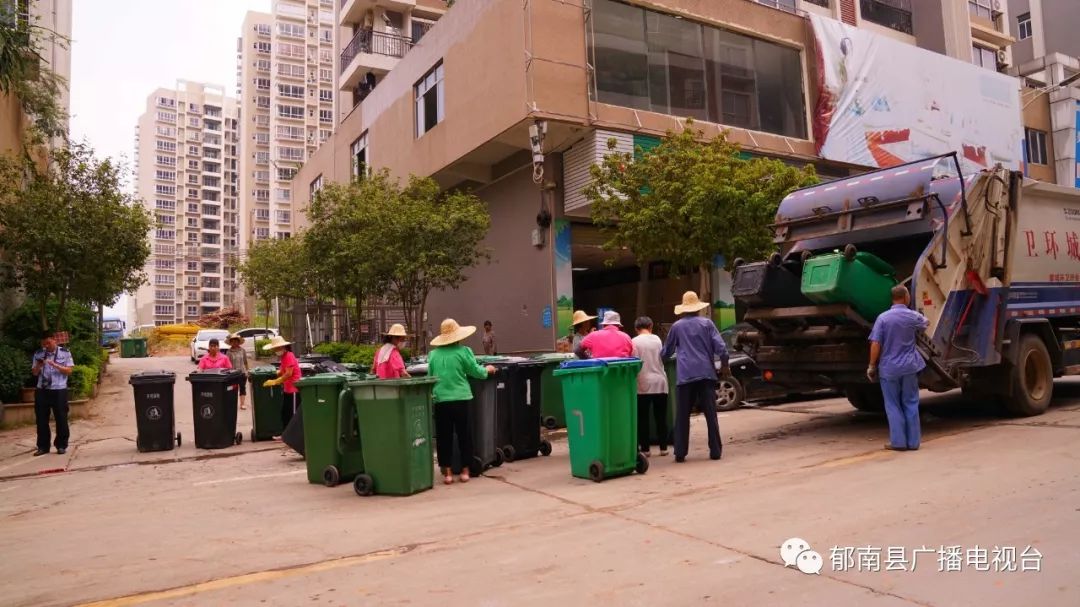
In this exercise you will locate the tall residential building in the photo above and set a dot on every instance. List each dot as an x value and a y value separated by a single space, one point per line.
187 175
773 74
51 21
286 86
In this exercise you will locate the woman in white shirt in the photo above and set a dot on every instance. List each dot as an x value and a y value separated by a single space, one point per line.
652 386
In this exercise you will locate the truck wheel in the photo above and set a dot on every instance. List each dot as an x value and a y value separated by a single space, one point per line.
1032 379
866 398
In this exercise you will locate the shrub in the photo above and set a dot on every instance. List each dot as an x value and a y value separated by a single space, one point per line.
81 381
22 328
259 352
14 373
361 355
85 353
337 350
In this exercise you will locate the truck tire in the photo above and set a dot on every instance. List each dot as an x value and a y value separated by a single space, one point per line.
866 398
1032 379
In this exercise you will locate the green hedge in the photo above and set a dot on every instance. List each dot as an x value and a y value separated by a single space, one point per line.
360 354
14 373
81 381
336 350
259 352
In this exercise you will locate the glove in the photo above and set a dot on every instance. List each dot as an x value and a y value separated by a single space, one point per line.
270 383
872 374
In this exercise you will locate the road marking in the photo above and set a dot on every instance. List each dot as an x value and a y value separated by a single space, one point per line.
251 578
237 479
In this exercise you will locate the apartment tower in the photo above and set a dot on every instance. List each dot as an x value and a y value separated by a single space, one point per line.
187 175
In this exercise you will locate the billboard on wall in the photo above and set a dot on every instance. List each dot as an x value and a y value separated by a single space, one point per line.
883 102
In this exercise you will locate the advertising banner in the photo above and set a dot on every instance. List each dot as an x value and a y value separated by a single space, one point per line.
883 102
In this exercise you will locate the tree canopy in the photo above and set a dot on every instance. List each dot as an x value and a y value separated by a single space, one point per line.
69 232
689 199
274 268
24 73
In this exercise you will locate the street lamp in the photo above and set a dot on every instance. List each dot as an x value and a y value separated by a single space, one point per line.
1053 87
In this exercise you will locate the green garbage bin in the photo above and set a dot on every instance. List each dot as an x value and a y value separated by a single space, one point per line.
552 415
133 347
600 396
265 405
394 416
862 280
331 437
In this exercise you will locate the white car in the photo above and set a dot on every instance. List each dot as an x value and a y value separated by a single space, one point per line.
253 333
201 343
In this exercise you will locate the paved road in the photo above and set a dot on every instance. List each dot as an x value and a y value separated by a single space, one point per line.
248 529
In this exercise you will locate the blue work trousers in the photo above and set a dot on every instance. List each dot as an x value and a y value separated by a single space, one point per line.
902 408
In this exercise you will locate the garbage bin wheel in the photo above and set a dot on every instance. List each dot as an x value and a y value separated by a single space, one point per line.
363 485
642 464
239 437
596 471
331 476
500 457
550 423
850 251
545 448
509 453
178 441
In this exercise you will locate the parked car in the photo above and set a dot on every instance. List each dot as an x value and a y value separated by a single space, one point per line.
201 342
253 333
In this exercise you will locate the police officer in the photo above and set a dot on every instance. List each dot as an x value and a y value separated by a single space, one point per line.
52 366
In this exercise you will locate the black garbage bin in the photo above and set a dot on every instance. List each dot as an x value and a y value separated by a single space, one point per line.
155 418
517 413
213 403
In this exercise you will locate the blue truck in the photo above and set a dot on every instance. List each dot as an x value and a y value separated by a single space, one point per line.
992 259
112 330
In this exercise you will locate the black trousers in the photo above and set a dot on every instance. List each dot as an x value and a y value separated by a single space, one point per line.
290 404
700 394
657 405
452 417
55 402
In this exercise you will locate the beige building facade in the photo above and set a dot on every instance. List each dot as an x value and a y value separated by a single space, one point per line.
459 107
187 171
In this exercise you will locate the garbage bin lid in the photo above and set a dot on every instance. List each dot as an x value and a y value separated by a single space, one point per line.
554 356
371 380
597 362
264 370
216 376
327 379
152 377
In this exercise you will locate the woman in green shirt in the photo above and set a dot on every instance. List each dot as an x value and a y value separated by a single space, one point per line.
453 364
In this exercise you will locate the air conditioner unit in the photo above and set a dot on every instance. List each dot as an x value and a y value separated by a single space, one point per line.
1002 59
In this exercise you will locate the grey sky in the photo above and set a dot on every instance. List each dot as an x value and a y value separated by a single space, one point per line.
124 49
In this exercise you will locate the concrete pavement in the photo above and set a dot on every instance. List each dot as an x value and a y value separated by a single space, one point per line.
248 528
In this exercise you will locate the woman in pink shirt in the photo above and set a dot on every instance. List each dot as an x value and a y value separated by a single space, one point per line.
214 359
288 375
388 362
608 342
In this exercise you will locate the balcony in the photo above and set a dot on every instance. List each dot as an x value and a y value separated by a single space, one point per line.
370 51
893 14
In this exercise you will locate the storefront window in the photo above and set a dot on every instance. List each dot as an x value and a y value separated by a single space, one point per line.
657 62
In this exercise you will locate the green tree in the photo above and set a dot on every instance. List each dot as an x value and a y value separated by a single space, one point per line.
274 268
69 232
688 200
345 237
436 237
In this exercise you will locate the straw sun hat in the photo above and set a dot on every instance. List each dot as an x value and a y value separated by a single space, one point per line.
690 304
579 317
450 332
277 342
396 330
234 337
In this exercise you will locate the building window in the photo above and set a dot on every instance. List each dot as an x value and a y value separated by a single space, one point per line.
290 70
315 186
285 173
654 62
429 100
262 47
326 75
165 219
166 116
165 190
166 131
359 156
984 57
263 29
165 205
982 8
263 65
292 154
262 84
283 216
893 14
262 214
166 160
291 90
282 194
325 95
291 50
262 233
262 195
824 3
166 146
784 5
326 115
295 133
292 30
262 176
262 138
291 111
192 310
166 102
1023 26
1036 146
262 157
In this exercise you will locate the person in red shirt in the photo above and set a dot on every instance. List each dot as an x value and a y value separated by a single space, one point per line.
608 342
288 375
214 359
388 361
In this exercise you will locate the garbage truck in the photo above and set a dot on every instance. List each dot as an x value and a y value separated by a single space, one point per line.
992 259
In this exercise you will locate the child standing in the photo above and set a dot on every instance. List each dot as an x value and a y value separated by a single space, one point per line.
652 386
453 364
